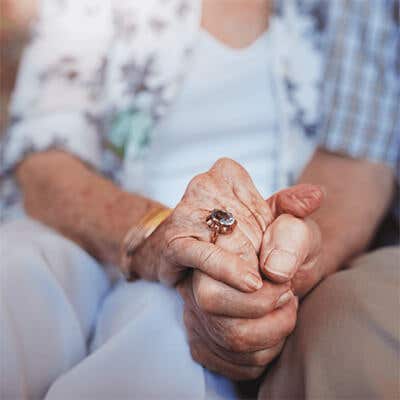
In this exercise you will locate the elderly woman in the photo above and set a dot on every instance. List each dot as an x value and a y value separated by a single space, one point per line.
153 94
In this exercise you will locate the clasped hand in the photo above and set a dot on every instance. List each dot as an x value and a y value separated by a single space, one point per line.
241 295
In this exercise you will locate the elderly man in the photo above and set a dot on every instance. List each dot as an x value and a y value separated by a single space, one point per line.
239 262
346 341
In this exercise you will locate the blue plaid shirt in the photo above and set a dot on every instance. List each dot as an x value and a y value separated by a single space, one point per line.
361 88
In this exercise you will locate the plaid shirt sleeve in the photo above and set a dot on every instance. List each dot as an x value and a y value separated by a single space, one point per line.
361 84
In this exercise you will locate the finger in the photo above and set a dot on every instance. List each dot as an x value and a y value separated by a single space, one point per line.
244 335
221 265
217 298
239 243
202 354
244 190
308 275
249 335
257 358
288 243
300 200
260 358
195 227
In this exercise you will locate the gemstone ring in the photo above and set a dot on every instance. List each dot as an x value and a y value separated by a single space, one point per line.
220 221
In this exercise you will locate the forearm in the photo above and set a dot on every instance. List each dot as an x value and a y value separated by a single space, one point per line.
65 194
358 196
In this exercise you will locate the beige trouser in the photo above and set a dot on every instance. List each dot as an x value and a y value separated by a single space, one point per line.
346 343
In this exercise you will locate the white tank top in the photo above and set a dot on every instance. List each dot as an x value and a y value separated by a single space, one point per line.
226 108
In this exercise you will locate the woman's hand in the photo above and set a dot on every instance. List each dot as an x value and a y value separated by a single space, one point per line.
183 239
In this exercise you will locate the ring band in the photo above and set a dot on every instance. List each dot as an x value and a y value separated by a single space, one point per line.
220 222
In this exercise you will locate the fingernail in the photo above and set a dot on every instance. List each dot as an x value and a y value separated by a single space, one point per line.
281 263
253 281
285 298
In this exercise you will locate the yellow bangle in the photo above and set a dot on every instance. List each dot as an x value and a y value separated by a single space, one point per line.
138 234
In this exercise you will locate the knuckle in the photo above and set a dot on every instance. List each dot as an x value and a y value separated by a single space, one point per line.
261 358
283 327
243 252
296 228
195 351
225 162
207 297
198 182
301 228
251 373
210 256
172 245
245 247
287 221
216 327
264 305
227 166
236 339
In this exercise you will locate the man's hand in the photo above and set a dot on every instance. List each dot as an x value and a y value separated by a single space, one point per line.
233 333
291 247
291 252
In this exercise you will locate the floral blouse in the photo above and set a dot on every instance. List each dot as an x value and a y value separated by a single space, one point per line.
97 76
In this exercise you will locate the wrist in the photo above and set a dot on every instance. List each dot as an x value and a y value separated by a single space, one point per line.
120 213
137 234
334 254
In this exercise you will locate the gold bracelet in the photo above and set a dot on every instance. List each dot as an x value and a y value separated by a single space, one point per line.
138 234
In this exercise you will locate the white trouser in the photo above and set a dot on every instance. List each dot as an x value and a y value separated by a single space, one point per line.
65 327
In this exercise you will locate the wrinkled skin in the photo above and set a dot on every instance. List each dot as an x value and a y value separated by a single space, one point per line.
237 325
238 334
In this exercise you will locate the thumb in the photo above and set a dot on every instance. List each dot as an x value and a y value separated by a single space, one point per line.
288 244
299 201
